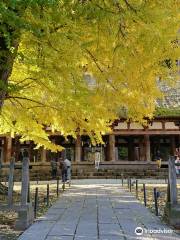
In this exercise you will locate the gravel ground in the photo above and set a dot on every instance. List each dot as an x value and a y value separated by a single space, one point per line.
162 189
7 219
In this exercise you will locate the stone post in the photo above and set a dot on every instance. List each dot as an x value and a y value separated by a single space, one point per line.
172 181
25 181
78 149
112 153
26 212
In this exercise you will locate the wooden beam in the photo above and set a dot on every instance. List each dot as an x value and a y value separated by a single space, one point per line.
150 132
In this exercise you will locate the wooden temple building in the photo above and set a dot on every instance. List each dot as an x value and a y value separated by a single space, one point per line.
129 146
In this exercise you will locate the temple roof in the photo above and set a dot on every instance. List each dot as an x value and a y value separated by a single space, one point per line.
170 104
171 95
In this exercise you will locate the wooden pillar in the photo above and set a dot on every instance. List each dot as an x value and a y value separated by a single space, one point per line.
78 149
131 151
43 155
136 153
16 148
116 154
141 150
173 145
147 148
112 153
30 148
8 148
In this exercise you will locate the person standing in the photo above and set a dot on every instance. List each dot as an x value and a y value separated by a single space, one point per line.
63 168
177 161
68 164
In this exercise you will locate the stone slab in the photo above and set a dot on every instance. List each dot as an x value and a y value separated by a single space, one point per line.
38 230
110 229
59 238
60 229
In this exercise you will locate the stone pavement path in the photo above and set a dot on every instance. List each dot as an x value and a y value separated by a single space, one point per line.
97 212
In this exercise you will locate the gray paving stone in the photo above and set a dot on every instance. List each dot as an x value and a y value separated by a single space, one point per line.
87 229
108 221
111 237
56 211
86 238
129 226
165 237
38 230
60 229
110 229
59 238
49 217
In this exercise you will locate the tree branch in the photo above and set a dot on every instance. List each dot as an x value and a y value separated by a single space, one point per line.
130 6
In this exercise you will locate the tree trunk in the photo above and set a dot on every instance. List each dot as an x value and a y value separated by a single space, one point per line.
6 64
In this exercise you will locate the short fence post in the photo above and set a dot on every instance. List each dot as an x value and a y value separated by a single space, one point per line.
57 188
47 195
144 191
36 202
155 202
130 184
136 188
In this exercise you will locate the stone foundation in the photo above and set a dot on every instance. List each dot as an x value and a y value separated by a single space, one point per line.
172 214
80 170
25 217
